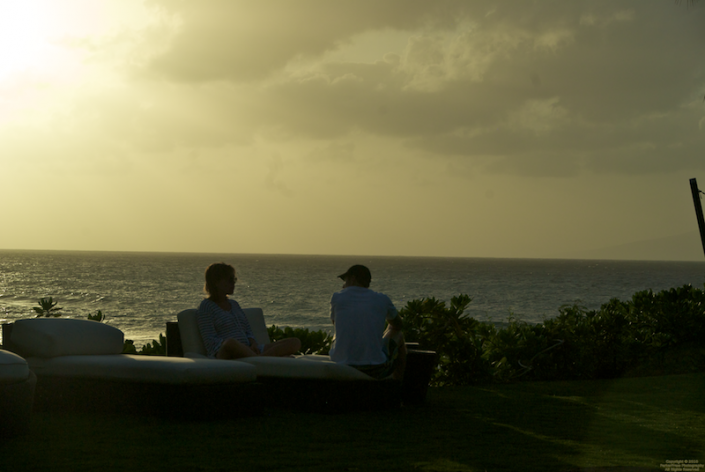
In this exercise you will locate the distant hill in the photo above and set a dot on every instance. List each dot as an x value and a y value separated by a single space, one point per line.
680 247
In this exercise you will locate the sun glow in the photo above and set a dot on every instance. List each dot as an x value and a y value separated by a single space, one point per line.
26 31
35 61
48 49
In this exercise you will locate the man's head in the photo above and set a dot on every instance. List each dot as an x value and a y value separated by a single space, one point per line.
358 275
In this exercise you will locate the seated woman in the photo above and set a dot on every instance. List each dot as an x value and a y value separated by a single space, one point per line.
223 325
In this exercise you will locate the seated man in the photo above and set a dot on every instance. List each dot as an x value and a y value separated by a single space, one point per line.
359 317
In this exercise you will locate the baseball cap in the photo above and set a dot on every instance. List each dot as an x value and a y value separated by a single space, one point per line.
360 272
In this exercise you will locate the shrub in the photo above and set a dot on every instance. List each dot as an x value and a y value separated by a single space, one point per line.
640 335
453 335
155 348
129 347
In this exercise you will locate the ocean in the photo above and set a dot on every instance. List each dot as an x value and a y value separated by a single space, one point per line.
140 292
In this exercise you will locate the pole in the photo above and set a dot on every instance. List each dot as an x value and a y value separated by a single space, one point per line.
698 210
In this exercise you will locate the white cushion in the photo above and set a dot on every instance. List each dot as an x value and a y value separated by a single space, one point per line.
256 318
13 368
314 357
146 369
52 337
299 368
191 340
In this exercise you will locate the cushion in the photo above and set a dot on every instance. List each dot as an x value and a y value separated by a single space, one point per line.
13 368
192 342
145 369
300 368
52 337
256 318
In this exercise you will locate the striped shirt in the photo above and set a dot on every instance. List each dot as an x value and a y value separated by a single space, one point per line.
216 325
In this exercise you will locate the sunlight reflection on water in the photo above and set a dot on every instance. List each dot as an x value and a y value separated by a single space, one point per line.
140 292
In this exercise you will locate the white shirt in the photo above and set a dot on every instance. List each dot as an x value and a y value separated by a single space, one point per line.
359 315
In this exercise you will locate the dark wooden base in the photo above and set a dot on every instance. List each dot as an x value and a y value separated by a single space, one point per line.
419 368
16 401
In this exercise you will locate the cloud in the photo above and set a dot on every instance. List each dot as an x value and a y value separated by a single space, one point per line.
244 40
549 88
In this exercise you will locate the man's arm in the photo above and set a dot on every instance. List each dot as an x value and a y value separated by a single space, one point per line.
396 323
393 317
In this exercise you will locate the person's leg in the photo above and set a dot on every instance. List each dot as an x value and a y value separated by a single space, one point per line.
396 339
284 347
232 349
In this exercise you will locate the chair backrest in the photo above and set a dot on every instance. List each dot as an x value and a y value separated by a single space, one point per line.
191 340
259 328
191 336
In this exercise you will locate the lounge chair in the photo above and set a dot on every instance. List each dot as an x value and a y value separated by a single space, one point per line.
79 366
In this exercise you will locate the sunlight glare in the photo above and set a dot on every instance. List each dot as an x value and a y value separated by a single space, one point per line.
23 29
47 49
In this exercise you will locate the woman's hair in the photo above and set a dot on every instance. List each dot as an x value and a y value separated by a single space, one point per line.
215 273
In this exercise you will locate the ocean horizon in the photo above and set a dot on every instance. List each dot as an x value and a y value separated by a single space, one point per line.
139 292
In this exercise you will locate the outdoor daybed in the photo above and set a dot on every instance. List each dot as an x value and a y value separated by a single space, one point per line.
312 381
309 381
79 366
17 385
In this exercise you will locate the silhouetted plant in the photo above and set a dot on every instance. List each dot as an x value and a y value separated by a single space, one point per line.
129 347
99 316
155 348
453 335
47 308
638 336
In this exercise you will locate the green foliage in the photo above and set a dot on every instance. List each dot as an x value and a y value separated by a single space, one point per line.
97 317
312 342
155 348
456 338
639 336
47 308
129 347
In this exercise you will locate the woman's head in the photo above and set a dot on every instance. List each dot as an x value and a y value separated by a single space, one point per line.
215 274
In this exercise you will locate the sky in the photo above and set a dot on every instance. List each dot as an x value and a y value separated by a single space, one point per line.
532 129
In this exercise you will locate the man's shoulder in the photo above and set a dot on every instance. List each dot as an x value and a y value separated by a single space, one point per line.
372 293
359 293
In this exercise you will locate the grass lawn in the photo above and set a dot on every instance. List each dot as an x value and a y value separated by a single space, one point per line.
555 426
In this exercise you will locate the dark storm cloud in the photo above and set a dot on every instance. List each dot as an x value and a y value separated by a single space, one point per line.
537 88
